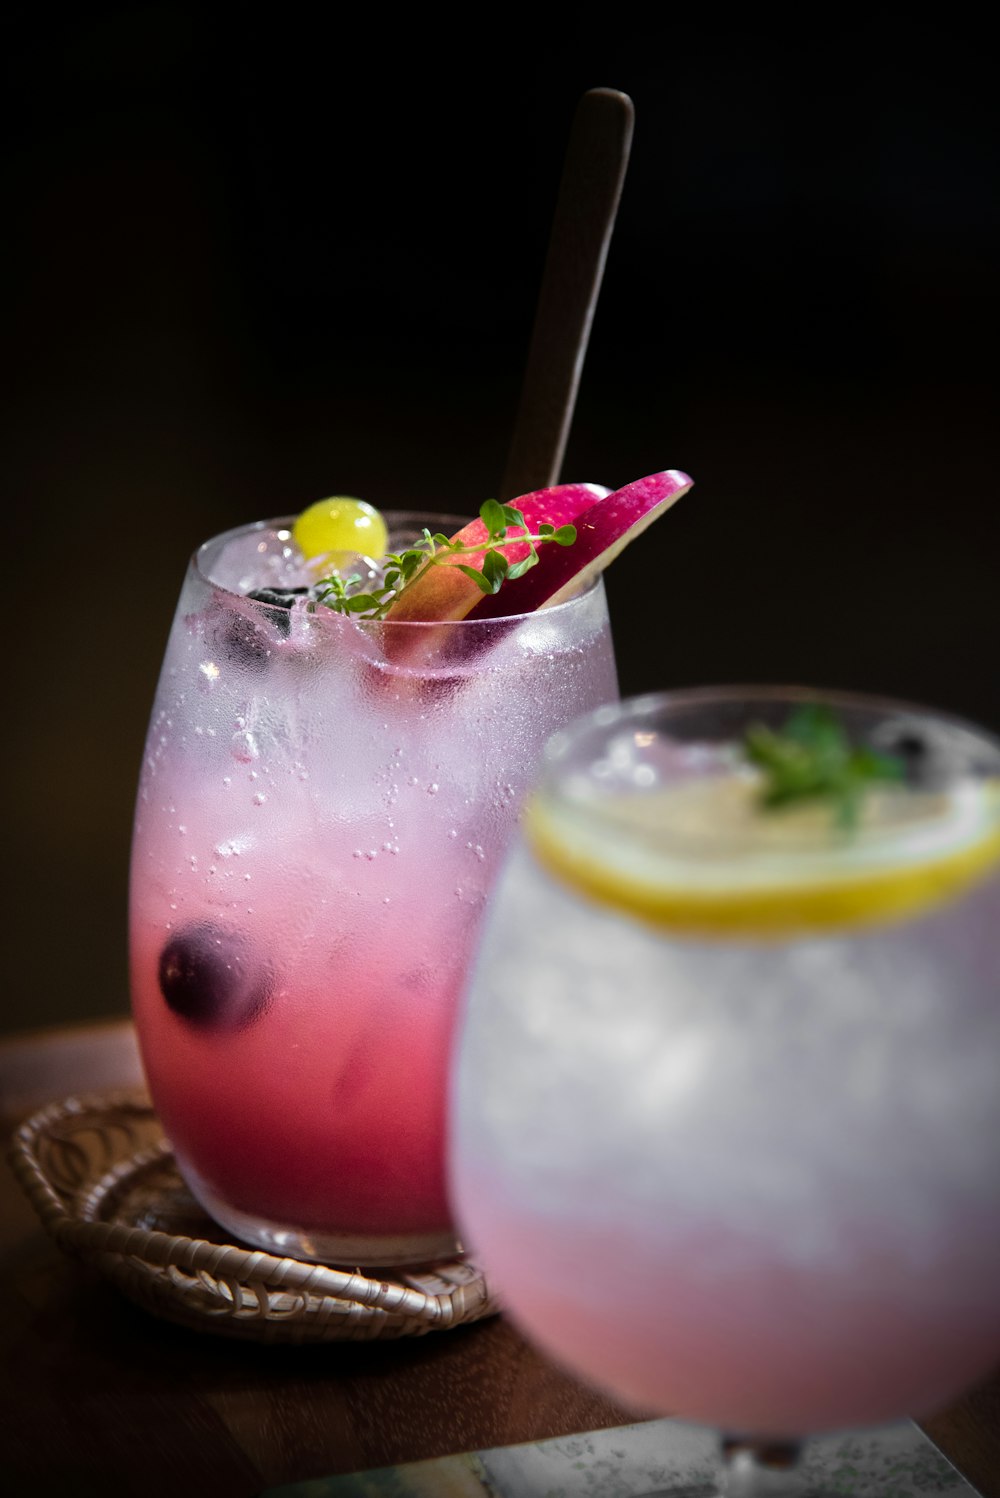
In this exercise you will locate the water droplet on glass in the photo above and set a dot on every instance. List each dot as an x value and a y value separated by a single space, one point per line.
233 847
244 747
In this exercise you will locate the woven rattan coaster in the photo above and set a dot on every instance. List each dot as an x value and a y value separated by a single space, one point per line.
103 1180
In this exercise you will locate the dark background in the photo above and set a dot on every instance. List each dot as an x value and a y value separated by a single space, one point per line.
251 264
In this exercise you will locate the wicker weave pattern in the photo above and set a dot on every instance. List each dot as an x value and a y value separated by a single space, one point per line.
102 1178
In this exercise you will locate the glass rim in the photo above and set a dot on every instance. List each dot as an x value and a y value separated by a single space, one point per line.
793 693
285 522
553 788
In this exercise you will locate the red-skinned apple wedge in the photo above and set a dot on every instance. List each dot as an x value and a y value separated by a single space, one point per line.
602 531
444 592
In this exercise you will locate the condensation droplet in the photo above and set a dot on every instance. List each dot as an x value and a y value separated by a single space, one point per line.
245 747
433 788
233 848
260 799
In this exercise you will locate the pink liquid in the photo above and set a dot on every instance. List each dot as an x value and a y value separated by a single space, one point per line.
762 1348
317 831
327 1110
327 1107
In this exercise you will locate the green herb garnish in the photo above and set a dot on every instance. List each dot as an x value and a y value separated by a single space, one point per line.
812 759
404 568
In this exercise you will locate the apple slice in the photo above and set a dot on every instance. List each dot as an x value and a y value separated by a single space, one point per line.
445 592
602 531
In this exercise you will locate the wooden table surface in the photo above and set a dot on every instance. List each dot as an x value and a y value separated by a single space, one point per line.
99 1398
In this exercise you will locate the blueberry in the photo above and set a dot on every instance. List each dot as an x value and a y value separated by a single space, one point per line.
247 638
208 977
278 598
244 642
932 755
912 748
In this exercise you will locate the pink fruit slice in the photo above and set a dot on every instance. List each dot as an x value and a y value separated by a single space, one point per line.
602 531
444 592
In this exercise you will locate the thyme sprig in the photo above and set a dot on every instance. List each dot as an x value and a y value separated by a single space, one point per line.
812 759
404 568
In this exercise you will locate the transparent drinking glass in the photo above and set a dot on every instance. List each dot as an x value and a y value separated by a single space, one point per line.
322 805
726 1107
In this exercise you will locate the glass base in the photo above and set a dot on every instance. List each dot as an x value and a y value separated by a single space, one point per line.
342 1250
755 1467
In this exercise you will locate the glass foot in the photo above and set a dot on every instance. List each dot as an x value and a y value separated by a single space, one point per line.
754 1467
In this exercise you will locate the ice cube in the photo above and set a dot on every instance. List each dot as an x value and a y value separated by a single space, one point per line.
259 558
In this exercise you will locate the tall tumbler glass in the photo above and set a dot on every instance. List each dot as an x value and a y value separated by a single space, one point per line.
727 1099
322 806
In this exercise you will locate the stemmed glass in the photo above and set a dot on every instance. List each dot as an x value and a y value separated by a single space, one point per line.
726 1106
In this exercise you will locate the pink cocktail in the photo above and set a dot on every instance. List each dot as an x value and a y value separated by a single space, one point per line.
322 808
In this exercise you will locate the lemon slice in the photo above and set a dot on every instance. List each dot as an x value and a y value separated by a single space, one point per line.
702 858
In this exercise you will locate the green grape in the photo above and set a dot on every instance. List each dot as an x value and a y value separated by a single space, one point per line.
340 525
